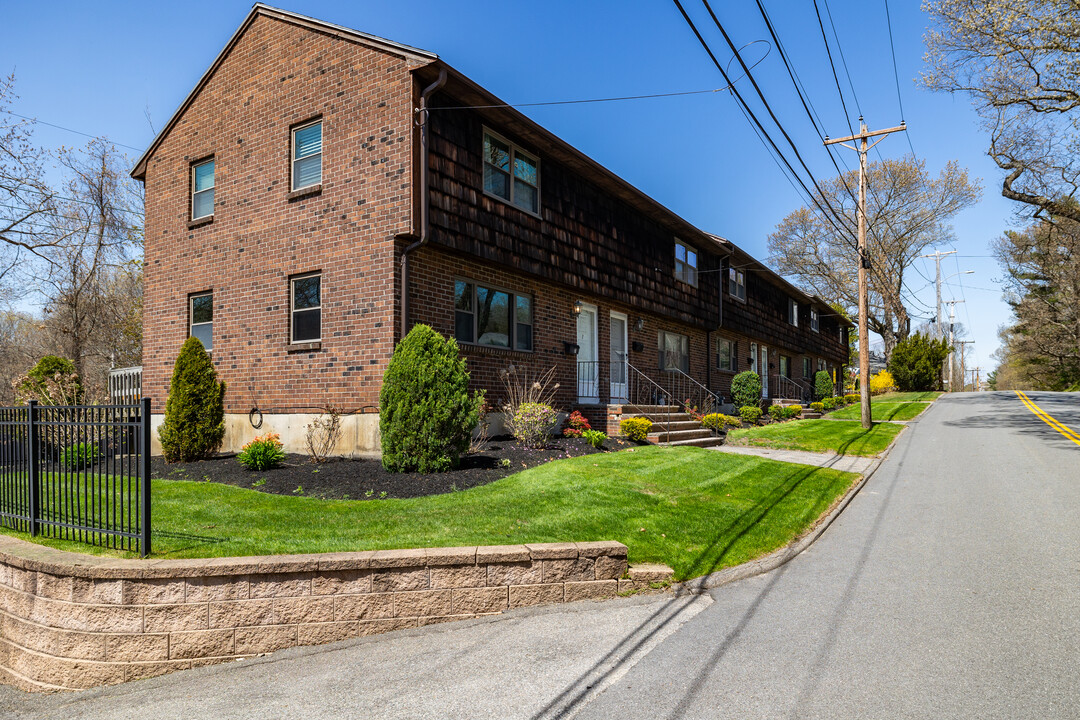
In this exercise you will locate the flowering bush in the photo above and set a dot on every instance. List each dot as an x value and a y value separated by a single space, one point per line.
882 383
817 407
636 428
595 438
576 425
531 422
692 410
262 453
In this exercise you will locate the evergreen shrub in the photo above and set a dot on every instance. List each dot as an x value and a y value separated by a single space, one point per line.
636 428
823 385
746 389
194 423
426 414
916 363
750 414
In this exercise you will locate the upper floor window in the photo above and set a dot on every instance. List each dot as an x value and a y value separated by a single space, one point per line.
737 283
793 312
487 316
201 319
726 352
511 173
674 351
307 155
202 190
305 308
685 263
815 322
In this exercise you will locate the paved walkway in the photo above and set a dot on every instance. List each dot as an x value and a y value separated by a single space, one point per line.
847 463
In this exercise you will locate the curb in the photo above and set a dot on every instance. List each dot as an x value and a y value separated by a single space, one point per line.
779 557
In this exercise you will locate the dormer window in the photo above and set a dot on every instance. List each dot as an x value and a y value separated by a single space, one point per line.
511 174
685 263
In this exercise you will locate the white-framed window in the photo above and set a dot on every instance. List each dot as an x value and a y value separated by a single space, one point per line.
305 308
511 174
685 263
307 155
202 189
674 351
793 312
492 316
737 283
726 354
201 318
815 320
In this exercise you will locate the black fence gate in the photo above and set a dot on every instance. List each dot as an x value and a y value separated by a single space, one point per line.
77 472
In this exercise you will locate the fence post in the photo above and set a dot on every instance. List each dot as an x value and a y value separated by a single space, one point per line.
144 468
35 467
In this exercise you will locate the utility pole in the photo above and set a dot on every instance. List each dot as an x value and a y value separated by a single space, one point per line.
864 259
937 255
952 339
963 368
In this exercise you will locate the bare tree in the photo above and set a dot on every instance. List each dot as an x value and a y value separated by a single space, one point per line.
907 212
92 291
1019 60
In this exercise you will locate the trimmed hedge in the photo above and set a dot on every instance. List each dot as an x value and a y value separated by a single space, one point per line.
746 389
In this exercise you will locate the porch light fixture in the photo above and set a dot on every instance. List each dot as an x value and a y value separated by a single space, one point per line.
639 324
577 307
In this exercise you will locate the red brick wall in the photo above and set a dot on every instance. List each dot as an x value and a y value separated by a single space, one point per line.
279 75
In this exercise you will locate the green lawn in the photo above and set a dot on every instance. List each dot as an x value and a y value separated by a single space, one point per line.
907 397
824 436
693 509
881 411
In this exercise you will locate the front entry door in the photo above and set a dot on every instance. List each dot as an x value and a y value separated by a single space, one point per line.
764 365
618 357
588 374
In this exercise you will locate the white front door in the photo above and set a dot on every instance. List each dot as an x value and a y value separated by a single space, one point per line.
617 341
764 365
588 374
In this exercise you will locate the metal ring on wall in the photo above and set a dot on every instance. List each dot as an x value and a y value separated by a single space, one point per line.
251 418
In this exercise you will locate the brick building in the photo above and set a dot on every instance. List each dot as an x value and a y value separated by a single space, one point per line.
321 189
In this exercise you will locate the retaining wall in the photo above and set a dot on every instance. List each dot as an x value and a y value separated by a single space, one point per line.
70 621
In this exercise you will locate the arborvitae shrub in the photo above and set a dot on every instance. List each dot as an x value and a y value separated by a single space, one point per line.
746 389
916 363
426 414
194 423
823 385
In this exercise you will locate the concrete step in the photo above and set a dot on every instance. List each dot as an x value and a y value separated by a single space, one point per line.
786 401
650 409
699 442
663 417
810 415
677 435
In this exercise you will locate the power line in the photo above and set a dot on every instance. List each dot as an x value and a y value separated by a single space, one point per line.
71 130
836 78
896 74
840 49
593 100
81 202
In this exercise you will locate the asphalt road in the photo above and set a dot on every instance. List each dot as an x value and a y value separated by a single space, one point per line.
949 588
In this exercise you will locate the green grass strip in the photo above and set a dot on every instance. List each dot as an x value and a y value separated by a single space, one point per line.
882 411
694 509
841 437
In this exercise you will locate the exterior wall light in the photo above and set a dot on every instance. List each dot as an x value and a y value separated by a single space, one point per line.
639 324
577 307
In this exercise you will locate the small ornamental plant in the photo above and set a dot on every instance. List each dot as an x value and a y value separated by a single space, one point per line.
531 423
817 407
776 412
79 456
636 429
595 438
713 421
791 412
851 399
830 403
730 421
262 453
750 414
692 410
576 425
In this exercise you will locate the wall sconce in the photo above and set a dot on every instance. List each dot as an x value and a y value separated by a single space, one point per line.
639 324
577 307
570 348
638 346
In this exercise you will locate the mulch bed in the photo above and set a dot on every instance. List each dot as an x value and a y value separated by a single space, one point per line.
341 478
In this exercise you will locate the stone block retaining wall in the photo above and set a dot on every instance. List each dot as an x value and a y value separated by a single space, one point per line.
71 621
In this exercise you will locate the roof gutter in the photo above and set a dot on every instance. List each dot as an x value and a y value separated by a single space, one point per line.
425 198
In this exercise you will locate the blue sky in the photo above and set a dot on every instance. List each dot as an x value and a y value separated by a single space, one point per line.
100 68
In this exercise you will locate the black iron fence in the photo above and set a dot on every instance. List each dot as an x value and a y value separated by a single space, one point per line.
77 472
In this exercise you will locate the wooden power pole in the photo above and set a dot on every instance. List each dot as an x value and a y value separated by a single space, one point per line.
864 259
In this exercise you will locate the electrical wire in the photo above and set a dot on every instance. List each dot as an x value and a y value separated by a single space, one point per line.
896 74
71 130
840 50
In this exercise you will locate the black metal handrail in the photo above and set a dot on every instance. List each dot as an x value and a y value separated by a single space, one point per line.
695 396
77 472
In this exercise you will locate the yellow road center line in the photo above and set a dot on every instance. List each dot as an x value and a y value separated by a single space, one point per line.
1042 415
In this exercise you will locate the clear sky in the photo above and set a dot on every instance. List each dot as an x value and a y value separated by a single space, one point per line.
102 67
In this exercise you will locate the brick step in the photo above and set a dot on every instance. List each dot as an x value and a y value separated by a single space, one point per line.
699 442
676 435
650 409
786 401
810 415
674 425
663 417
